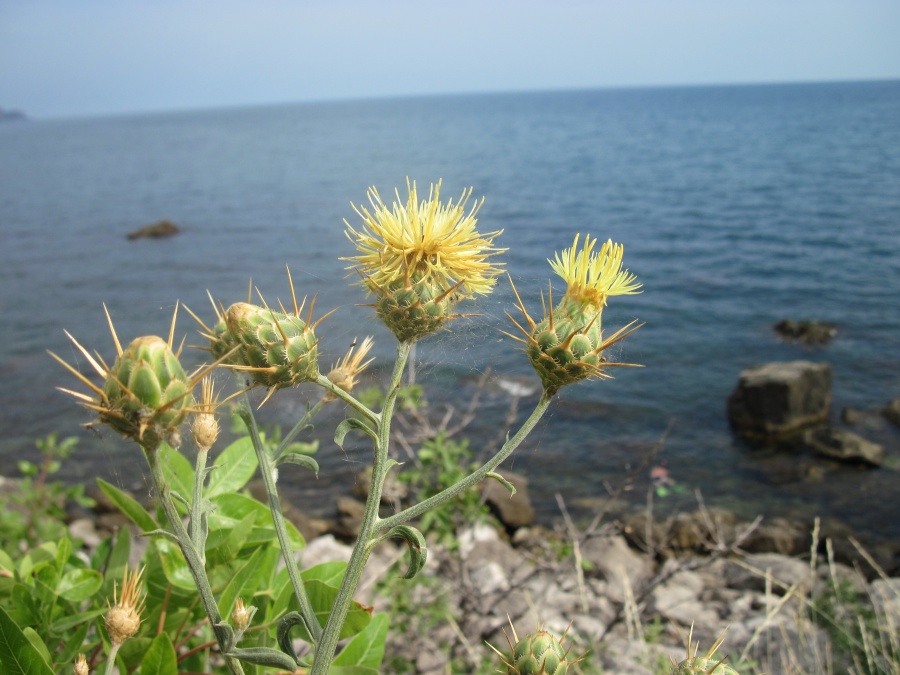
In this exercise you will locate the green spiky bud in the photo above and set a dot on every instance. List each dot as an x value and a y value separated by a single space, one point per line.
567 346
539 654
147 393
276 349
222 341
412 309
708 664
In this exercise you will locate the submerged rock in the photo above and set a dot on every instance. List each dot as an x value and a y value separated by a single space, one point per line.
810 333
164 228
778 399
844 445
892 411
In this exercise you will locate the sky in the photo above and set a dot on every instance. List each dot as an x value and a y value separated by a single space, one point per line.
65 58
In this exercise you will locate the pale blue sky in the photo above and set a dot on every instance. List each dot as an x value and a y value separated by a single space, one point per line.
83 57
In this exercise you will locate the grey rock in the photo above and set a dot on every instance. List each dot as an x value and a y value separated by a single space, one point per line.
514 511
787 571
844 445
810 333
778 399
617 563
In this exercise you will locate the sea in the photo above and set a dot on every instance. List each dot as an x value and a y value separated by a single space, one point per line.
737 206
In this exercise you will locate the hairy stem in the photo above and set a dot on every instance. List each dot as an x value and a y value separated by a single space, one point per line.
473 479
370 522
190 555
267 469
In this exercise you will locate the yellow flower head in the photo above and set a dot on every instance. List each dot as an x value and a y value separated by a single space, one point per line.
425 240
592 276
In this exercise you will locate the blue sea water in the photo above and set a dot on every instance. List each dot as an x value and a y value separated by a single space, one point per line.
737 206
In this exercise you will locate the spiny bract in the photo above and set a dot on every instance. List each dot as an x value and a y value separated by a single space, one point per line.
147 392
539 653
702 665
276 349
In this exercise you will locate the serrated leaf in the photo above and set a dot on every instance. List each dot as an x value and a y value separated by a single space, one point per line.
129 506
17 655
366 649
305 461
351 424
160 658
79 584
234 467
505 483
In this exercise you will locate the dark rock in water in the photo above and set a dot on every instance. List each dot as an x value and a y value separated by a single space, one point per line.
892 411
778 399
844 445
513 511
810 333
164 228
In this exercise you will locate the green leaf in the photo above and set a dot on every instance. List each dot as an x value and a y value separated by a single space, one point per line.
36 642
234 467
79 584
177 471
322 597
246 580
232 508
331 573
348 425
264 656
367 648
505 483
160 659
173 563
418 553
305 461
127 505
17 655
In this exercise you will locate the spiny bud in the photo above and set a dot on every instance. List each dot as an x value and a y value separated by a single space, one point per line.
702 665
241 617
539 653
205 427
343 374
81 666
124 617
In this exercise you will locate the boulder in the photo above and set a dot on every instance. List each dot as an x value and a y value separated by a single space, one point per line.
892 411
844 445
810 333
164 228
778 399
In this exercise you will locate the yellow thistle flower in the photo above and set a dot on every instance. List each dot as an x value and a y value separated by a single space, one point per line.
343 374
124 617
591 277
567 345
424 239
205 427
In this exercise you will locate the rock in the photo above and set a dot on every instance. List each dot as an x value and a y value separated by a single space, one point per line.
616 562
844 445
787 571
393 492
514 511
164 228
350 516
777 535
892 411
778 399
810 333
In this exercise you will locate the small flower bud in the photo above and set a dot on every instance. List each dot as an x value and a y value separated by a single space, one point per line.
241 617
343 374
81 666
124 618
205 427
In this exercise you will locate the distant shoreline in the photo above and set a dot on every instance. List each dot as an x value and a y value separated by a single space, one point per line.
12 115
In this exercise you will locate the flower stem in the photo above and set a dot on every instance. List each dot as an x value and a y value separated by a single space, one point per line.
190 555
473 479
370 522
267 469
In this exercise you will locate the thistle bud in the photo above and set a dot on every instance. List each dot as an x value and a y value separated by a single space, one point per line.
539 653
124 617
707 664
343 374
81 666
241 617
147 392
276 349
205 427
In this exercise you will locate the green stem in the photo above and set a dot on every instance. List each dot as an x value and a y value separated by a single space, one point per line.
373 417
370 522
195 528
267 469
111 661
190 555
446 495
